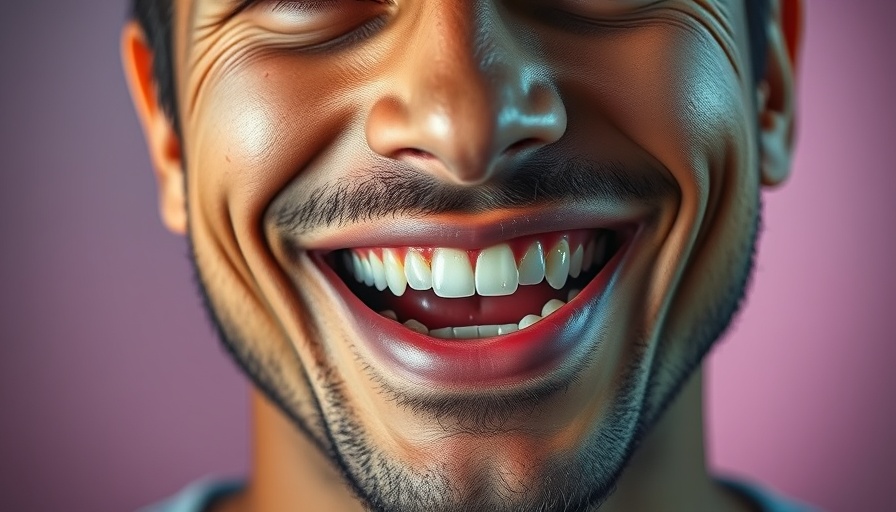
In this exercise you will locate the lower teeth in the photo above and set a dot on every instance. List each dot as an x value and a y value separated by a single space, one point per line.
482 331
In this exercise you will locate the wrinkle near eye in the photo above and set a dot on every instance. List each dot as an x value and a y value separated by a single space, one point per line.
217 52
221 38
716 19
604 7
714 16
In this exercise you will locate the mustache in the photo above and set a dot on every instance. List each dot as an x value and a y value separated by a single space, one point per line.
401 191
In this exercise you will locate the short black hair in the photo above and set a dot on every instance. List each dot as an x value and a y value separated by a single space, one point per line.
156 19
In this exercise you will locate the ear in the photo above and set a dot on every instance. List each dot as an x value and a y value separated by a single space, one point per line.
776 91
161 137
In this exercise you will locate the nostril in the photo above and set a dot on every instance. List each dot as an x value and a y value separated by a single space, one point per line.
412 153
521 145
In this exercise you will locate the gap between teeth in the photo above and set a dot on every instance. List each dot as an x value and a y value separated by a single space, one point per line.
495 273
483 331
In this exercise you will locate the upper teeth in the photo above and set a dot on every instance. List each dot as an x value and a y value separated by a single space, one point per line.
531 268
495 271
417 271
394 270
452 275
556 265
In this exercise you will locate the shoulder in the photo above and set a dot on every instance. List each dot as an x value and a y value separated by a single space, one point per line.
197 496
765 499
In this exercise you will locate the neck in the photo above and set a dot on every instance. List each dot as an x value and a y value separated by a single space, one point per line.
668 472
288 471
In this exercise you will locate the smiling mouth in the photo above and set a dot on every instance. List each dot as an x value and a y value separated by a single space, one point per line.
460 294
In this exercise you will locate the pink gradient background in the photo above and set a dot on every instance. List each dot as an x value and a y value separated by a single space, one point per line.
114 392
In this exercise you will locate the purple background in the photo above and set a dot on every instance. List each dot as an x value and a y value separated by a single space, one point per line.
113 391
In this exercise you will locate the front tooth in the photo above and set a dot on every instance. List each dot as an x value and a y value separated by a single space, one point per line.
487 331
508 328
551 306
575 262
388 313
417 271
395 277
452 275
532 265
496 272
366 271
416 326
379 273
572 294
528 320
446 333
466 332
588 257
556 267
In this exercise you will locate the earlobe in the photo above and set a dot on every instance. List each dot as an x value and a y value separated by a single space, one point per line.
776 93
162 139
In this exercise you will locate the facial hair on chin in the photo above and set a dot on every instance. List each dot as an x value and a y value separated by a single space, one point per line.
387 485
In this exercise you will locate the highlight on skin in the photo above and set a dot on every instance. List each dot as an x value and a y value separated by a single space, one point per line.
326 162
379 480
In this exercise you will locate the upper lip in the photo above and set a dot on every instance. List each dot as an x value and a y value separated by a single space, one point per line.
478 230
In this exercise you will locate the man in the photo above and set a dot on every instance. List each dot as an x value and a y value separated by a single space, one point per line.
471 252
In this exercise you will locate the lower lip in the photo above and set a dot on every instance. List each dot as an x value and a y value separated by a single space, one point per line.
556 342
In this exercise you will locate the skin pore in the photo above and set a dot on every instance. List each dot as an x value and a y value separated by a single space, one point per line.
485 121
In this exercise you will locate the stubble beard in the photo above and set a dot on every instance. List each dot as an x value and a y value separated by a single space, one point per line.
578 482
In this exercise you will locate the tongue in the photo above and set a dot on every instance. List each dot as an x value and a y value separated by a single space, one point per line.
436 312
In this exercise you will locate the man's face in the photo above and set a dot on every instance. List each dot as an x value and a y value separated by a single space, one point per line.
464 163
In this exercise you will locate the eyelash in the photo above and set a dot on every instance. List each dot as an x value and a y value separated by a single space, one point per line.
300 5
308 5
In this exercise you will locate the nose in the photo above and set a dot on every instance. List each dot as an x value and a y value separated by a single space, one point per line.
468 97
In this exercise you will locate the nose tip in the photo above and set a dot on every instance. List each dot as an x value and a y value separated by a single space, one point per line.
469 136
468 100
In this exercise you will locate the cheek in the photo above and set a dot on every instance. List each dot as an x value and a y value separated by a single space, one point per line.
670 90
672 95
259 126
256 126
